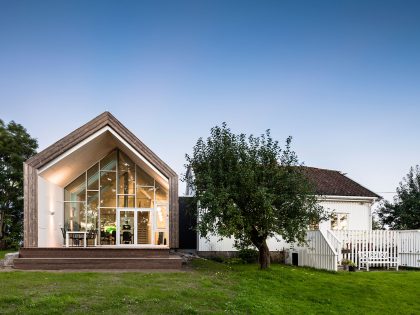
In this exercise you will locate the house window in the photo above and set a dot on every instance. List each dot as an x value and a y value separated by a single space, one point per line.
313 226
339 221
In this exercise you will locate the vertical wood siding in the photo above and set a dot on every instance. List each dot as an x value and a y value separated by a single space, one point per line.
30 206
174 212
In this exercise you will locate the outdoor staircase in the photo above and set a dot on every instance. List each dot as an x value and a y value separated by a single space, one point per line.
96 258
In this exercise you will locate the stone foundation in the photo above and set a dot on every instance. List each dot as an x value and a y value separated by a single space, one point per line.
276 256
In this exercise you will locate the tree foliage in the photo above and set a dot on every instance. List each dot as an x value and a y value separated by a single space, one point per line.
16 146
250 188
404 212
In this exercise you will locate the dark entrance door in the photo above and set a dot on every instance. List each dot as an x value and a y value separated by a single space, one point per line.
295 259
187 223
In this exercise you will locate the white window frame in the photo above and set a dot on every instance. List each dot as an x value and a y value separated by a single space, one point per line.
338 216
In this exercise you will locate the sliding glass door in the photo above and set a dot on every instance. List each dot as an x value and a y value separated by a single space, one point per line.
126 227
144 228
134 227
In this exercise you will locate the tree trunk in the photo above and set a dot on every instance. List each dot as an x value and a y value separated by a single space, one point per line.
260 242
264 255
2 214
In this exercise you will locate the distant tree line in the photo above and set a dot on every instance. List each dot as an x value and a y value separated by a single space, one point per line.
404 212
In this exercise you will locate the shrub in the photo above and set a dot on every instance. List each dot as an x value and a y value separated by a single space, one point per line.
234 261
347 262
248 255
218 259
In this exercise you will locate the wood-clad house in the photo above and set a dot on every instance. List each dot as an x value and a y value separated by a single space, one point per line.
99 188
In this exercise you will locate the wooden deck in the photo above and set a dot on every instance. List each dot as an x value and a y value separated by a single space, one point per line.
96 258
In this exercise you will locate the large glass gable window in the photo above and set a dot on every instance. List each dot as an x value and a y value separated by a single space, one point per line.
95 201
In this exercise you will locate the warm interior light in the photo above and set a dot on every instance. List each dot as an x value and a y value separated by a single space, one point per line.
159 211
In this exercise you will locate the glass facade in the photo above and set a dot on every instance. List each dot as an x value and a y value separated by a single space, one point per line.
120 200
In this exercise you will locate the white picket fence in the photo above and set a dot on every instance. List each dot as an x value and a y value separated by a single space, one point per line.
326 249
362 242
319 253
409 249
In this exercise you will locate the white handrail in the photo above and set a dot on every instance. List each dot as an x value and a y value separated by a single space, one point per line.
335 242
318 252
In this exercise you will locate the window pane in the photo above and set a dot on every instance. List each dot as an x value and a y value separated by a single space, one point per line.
126 201
108 226
126 227
76 190
313 226
144 230
74 216
109 163
108 189
145 197
93 177
126 170
339 221
144 179
92 210
161 238
161 217
161 193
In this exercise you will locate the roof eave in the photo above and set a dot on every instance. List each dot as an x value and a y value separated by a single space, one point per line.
80 134
347 198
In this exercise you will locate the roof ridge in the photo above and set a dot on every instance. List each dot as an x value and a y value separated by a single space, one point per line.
97 118
86 130
323 169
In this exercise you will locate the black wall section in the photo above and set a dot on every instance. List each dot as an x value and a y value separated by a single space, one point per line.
187 223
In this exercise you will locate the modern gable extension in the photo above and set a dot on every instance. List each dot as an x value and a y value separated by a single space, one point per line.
58 177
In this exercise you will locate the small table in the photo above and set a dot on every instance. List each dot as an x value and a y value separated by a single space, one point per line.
74 232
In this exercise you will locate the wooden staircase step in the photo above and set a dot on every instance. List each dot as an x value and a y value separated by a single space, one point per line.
93 252
172 262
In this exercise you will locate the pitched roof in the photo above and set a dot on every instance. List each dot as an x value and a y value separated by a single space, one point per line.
103 120
334 183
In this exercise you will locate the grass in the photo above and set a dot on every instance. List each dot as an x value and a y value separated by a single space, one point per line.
211 288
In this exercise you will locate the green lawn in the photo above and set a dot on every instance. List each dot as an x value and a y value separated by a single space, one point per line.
212 288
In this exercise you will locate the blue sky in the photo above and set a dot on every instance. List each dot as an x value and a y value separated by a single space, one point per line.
341 77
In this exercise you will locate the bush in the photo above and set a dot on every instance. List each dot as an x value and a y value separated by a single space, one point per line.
234 261
248 255
218 259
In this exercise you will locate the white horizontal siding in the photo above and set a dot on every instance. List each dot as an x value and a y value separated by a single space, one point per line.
358 219
359 214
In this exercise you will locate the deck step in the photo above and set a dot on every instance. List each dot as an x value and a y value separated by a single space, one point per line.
171 262
93 252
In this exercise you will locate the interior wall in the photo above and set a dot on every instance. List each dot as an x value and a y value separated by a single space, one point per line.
50 213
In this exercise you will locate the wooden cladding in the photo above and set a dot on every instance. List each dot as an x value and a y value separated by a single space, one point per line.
30 207
173 213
